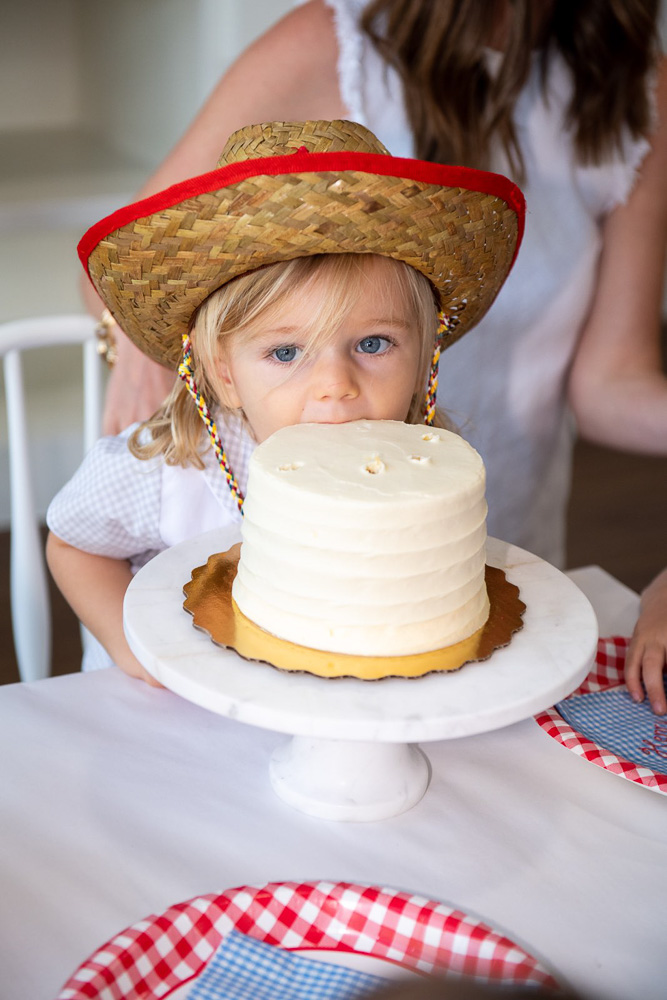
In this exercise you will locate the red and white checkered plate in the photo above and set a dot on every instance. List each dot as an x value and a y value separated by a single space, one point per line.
607 673
157 956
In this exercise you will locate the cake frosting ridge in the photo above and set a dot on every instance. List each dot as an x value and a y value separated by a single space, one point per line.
366 538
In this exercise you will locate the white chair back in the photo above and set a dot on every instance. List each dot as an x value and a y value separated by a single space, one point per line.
31 613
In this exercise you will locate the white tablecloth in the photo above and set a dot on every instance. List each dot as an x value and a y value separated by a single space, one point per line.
118 800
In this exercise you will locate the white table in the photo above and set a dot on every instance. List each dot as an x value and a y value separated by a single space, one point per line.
118 799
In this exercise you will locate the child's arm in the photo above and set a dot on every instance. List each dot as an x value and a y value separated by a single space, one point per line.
94 586
647 655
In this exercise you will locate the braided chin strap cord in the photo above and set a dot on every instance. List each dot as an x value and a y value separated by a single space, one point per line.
432 388
186 373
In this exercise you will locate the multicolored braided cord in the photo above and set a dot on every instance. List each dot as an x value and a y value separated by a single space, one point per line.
186 373
432 388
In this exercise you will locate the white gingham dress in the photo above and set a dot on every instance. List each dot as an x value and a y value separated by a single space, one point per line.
120 506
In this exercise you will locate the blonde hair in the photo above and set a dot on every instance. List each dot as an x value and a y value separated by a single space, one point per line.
176 430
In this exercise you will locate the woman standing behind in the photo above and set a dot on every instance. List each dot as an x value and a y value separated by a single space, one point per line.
559 97
564 99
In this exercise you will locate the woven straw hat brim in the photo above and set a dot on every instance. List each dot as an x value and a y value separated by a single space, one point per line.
154 262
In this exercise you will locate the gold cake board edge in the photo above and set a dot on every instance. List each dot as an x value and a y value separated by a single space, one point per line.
209 601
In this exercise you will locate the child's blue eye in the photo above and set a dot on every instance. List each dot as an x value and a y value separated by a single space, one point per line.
373 345
285 354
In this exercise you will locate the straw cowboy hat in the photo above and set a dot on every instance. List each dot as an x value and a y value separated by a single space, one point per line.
292 189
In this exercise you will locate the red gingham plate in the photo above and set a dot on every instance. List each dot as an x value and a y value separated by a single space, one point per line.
606 673
158 955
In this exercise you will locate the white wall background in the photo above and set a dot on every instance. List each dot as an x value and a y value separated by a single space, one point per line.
133 69
39 80
162 58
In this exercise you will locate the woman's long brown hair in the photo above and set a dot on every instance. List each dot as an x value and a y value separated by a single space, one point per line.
456 109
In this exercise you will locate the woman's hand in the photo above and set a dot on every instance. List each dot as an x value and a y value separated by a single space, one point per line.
646 661
137 386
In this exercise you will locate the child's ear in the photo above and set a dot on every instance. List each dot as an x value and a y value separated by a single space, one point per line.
230 397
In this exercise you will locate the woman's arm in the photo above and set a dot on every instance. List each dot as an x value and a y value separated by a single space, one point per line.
617 388
647 655
288 74
94 587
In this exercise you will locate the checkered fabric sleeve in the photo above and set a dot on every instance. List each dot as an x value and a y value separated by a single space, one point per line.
111 506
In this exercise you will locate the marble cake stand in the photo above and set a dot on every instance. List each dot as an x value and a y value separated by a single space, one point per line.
352 754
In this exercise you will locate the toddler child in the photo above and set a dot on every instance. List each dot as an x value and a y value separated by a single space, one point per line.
310 278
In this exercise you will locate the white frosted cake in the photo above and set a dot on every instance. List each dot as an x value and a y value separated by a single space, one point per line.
365 538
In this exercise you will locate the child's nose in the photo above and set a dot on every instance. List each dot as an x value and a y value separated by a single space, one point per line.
335 378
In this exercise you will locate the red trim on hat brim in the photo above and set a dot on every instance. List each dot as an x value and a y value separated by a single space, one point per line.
304 162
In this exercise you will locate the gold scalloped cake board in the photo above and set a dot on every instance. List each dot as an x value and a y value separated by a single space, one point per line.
209 601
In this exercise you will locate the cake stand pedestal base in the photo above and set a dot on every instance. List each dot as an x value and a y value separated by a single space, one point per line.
353 755
349 779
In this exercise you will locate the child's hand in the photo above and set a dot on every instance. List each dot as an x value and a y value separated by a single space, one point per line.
647 654
134 669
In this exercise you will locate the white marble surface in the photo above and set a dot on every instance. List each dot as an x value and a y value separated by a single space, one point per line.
348 780
545 661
